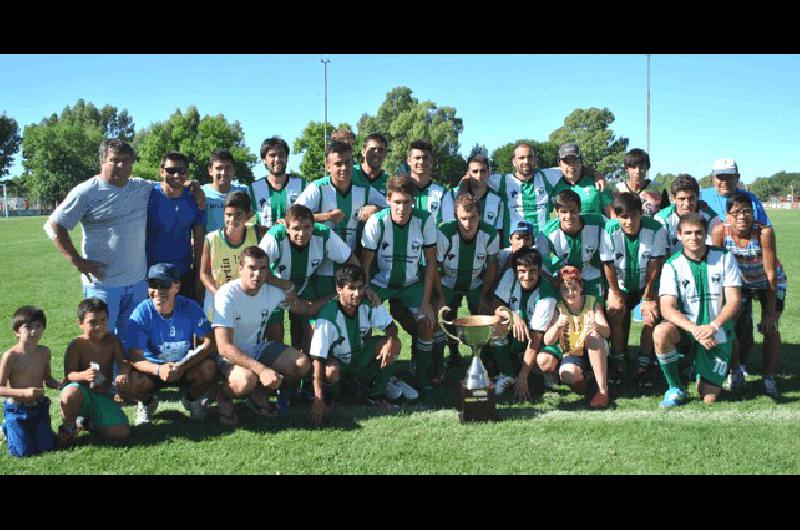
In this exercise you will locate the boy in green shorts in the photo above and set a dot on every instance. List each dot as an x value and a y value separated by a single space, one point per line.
396 240
638 245
699 300
88 371
343 343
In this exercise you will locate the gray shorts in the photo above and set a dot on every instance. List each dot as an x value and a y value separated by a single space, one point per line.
269 352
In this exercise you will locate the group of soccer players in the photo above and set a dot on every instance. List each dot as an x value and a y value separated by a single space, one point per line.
332 251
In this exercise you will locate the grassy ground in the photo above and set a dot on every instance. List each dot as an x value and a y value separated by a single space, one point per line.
745 433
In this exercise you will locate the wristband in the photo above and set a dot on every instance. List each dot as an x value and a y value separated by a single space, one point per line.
648 299
716 327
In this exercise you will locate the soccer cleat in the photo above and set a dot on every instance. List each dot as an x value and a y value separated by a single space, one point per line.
599 401
672 398
197 409
145 413
393 390
770 387
502 383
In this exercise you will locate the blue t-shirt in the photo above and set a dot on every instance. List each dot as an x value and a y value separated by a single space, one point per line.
718 203
169 228
215 205
166 339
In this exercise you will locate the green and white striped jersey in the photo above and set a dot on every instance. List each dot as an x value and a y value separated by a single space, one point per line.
462 262
669 218
270 204
398 249
700 285
491 208
632 254
536 307
530 200
592 200
321 196
585 250
297 265
339 335
360 178
429 199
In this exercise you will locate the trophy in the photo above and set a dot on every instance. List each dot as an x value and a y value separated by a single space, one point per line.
477 391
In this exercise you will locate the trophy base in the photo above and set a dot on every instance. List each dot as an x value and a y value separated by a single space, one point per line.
477 405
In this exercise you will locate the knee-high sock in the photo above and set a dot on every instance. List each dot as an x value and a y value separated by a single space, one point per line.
669 366
423 361
437 353
500 350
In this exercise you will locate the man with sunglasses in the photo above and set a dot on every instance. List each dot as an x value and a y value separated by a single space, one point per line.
173 222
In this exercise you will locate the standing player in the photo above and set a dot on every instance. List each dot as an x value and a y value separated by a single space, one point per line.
699 296
685 193
396 240
370 173
275 193
476 183
763 279
593 200
725 175
652 193
222 170
638 244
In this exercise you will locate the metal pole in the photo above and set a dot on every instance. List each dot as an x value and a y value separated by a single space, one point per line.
648 105
325 62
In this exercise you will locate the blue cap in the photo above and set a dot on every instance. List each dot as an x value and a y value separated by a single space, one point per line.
163 271
522 227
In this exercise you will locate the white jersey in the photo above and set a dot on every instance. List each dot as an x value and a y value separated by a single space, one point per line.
270 204
700 285
526 200
585 250
462 263
632 256
429 199
669 218
246 315
535 307
336 334
398 249
491 208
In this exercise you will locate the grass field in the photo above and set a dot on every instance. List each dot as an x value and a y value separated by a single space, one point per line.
745 433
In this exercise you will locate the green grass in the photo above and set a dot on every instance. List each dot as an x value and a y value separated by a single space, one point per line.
745 433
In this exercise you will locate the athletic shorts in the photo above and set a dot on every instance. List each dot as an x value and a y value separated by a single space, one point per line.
100 409
761 296
159 383
410 296
711 365
473 298
595 287
367 369
268 353
27 427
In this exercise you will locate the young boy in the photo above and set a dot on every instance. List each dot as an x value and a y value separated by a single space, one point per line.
343 343
685 194
222 170
578 326
219 263
88 369
650 192
638 243
24 370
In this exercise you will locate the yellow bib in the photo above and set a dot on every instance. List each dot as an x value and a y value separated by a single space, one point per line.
225 257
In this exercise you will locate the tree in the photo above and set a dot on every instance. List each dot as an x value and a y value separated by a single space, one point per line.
311 144
195 137
706 182
588 128
402 118
9 142
778 185
546 155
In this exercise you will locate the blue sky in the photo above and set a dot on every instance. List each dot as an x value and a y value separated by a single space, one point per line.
704 107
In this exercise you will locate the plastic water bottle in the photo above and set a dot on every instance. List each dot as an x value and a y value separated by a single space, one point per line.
99 378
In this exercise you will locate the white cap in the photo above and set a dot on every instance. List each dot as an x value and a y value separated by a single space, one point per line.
725 166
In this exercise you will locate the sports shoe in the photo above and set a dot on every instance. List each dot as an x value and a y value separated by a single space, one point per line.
672 398
502 383
197 408
145 413
599 401
393 390
65 438
407 390
770 387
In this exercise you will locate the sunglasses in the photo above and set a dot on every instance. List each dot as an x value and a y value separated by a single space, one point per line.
173 170
159 285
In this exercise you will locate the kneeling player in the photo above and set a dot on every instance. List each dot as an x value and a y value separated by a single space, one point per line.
578 326
706 281
343 342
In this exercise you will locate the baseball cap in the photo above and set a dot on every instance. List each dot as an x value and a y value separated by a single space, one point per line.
569 150
522 227
166 272
725 166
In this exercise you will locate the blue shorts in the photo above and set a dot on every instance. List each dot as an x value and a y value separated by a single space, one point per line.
27 428
121 303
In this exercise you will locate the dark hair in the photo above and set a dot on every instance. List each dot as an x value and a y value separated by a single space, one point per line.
175 156
566 197
684 183
343 135
625 203
91 305
339 148
27 314
421 145
479 158
238 199
222 155
400 184
349 274
299 211
526 256
116 145
253 251
692 218
378 137
636 157
522 144
273 141
738 198
466 201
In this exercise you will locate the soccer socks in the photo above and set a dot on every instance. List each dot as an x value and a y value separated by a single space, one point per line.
423 360
643 361
437 353
501 355
669 367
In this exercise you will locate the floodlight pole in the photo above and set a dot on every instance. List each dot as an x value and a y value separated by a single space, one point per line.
648 105
325 62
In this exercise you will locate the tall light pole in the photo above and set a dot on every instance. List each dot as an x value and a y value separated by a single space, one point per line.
648 103
325 62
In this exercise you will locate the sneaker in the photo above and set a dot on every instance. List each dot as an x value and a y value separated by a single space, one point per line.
393 390
770 387
599 401
550 381
672 398
502 383
407 390
145 413
197 409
